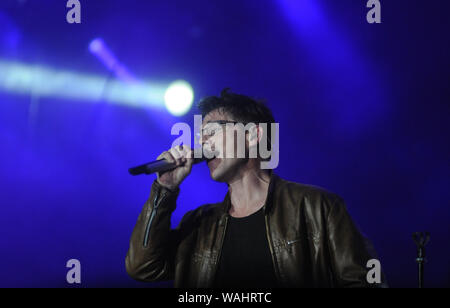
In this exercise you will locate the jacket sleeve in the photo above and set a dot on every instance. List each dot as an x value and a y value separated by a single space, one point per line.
153 244
350 250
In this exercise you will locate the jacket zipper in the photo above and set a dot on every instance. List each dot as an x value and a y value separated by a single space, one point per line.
269 238
221 248
292 242
152 216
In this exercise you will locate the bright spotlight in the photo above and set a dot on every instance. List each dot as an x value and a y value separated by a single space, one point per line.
179 97
96 45
45 82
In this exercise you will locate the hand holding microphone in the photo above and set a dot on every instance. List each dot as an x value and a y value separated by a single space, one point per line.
182 158
172 159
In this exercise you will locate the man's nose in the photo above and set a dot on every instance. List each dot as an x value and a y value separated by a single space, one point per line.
208 144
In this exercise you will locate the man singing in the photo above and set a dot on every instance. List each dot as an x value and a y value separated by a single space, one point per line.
267 232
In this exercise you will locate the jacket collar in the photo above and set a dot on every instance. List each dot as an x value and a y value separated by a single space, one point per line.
226 203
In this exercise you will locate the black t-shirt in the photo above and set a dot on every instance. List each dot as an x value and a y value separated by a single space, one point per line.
245 260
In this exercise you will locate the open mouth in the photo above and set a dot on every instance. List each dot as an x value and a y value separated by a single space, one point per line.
210 153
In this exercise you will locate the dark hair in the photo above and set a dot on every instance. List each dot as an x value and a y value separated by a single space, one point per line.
243 109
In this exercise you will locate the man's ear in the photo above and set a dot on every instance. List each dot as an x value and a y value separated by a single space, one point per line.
255 135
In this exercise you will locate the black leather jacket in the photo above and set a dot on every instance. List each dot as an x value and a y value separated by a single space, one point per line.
312 239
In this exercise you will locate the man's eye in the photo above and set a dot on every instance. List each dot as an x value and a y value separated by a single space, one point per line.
209 132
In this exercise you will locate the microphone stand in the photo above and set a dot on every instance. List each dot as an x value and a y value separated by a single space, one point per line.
421 239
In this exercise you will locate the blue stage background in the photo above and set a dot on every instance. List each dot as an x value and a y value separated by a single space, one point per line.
363 112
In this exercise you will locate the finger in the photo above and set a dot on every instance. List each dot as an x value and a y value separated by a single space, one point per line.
161 156
167 156
190 154
175 152
181 150
185 147
176 155
186 152
189 158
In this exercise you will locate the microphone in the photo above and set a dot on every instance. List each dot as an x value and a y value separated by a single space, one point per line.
160 165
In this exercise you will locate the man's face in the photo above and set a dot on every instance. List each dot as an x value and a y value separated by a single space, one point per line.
222 168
